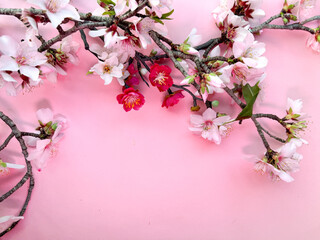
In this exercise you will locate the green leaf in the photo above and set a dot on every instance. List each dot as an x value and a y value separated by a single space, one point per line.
3 164
250 94
166 15
110 13
54 126
108 2
157 19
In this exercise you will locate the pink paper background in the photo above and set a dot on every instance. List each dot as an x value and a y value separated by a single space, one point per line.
144 176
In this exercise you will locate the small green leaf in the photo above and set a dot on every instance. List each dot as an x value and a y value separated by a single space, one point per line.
250 94
215 103
3 164
108 2
110 13
89 72
54 126
166 15
157 19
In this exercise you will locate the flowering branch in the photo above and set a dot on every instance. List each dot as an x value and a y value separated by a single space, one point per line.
232 64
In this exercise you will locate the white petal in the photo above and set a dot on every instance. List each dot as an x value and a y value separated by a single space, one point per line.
15 166
7 63
31 72
97 33
209 114
7 77
8 46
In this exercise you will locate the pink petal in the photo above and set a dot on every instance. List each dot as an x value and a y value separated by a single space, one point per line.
45 115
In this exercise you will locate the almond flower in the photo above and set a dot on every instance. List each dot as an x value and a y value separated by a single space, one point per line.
27 59
313 42
283 162
160 77
131 99
51 127
247 9
210 125
250 52
57 10
108 69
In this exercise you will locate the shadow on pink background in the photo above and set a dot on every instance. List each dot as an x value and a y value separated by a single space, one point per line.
144 176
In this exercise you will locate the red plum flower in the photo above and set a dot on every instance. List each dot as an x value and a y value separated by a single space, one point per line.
131 99
160 77
172 99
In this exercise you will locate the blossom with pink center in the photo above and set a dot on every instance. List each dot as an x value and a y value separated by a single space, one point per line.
250 52
27 59
172 99
241 74
57 10
210 125
51 127
131 99
313 42
108 69
160 77
247 9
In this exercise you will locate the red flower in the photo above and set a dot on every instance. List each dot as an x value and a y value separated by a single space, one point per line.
131 99
132 79
172 99
160 77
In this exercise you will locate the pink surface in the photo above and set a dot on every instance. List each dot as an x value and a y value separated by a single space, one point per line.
144 176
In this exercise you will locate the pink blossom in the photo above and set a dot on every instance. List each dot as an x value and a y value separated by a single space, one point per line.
192 40
142 28
294 109
250 52
159 6
111 36
241 74
108 69
27 59
210 125
57 10
52 127
274 173
247 9
121 6
288 158
313 42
